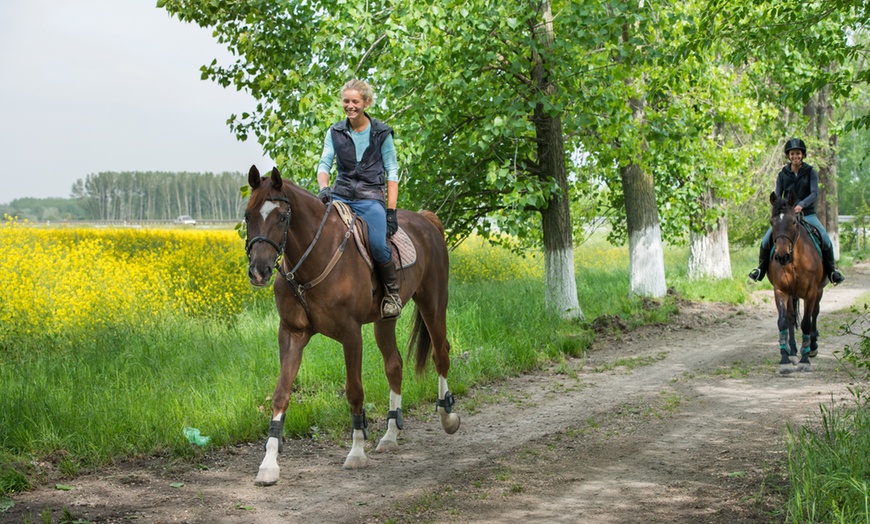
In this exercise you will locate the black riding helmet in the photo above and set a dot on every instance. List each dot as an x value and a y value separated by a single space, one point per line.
795 143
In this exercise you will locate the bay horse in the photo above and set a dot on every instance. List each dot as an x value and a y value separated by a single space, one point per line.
796 272
326 286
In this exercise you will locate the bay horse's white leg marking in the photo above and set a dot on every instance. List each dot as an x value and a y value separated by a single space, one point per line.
389 443
269 471
357 457
268 207
449 421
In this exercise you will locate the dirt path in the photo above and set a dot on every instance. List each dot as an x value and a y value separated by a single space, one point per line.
684 423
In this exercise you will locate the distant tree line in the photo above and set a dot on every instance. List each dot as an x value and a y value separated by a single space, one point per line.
43 209
139 195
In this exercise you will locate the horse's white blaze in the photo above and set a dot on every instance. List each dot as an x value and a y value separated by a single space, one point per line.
267 207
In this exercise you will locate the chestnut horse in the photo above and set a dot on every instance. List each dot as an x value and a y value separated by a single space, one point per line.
796 272
326 286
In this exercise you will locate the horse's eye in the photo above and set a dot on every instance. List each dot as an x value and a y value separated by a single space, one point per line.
247 217
283 217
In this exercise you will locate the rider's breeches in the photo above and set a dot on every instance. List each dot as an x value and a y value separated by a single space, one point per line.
375 215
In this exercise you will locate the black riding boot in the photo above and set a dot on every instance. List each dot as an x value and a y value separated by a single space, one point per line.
391 307
758 273
831 266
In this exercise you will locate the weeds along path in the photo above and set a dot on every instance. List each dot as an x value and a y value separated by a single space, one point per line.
680 423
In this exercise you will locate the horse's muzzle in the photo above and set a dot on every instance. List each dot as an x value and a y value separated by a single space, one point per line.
259 274
782 259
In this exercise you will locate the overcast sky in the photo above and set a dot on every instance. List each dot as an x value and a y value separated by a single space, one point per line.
109 85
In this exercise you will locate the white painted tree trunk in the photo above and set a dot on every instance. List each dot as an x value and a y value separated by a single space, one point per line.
709 256
561 285
647 262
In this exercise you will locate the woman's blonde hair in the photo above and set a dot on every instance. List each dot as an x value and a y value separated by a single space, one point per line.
361 87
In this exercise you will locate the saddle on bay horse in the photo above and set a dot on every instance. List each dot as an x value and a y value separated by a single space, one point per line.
403 251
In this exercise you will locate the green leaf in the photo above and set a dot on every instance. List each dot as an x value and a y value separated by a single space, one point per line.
176 485
6 504
63 487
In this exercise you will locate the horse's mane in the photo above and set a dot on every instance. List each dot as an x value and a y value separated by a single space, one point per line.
287 186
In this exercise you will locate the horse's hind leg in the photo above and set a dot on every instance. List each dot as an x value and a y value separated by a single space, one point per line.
435 319
808 329
385 335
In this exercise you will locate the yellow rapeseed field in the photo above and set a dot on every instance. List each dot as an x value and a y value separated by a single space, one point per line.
55 281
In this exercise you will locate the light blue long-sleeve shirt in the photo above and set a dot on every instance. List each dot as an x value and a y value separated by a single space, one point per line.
361 143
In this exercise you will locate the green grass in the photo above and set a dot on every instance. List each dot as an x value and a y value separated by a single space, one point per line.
828 467
80 405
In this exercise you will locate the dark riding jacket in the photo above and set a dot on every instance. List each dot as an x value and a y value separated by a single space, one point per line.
804 185
365 180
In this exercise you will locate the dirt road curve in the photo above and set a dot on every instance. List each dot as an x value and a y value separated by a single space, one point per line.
688 427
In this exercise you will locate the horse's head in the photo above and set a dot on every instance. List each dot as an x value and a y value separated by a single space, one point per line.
267 217
784 225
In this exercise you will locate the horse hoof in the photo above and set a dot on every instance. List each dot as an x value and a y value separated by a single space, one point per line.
804 367
813 353
793 359
267 477
387 446
355 462
785 369
450 423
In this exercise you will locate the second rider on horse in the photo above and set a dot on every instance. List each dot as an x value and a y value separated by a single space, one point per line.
802 180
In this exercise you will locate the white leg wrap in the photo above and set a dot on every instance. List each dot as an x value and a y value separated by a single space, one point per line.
449 421
389 442
357 456
269 471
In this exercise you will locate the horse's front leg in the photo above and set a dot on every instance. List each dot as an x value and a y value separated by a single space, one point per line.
385 335
782 322
290 350
808 328
355 397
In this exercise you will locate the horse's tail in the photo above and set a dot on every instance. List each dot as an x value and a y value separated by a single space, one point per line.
420 343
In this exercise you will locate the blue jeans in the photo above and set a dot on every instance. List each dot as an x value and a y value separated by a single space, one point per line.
812 220
375 215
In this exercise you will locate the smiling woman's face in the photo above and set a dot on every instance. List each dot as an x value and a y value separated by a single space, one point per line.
353 103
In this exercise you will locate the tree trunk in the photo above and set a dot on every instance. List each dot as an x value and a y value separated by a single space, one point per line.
820 111
832 217
709 256
645 253
560 284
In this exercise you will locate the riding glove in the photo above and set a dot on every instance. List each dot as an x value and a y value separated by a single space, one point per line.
325 194
392 223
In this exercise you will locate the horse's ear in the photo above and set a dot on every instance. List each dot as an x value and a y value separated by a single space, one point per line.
792 197
772 197
254 177
276 178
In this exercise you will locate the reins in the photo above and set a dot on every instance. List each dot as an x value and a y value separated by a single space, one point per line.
298 288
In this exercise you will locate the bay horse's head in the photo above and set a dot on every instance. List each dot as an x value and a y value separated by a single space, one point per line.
267 217
784 225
